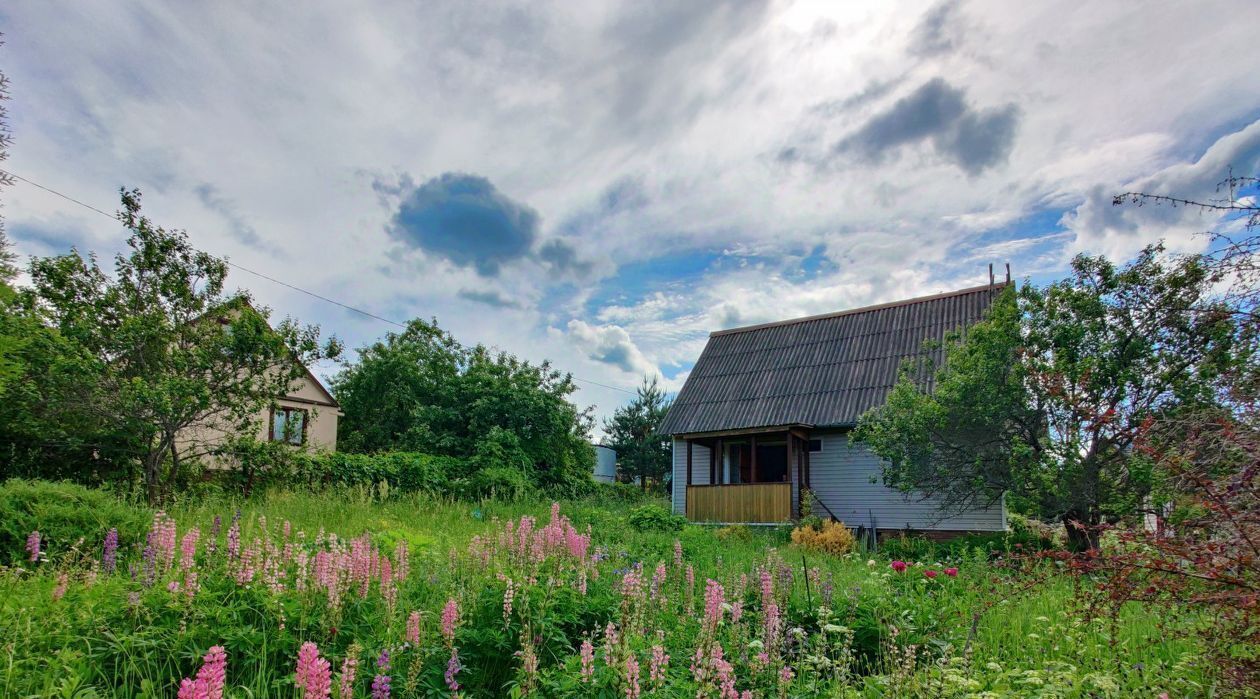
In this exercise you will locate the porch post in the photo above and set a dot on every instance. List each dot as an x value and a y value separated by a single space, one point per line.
793 466
753 457
712 463
688 461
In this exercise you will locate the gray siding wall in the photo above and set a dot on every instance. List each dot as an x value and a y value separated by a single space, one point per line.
699 472
846 478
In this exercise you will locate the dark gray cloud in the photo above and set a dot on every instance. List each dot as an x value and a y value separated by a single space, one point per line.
238 227
939 32
489 297
466 220
972 139
561 257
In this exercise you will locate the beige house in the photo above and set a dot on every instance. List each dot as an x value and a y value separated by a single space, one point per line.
305 416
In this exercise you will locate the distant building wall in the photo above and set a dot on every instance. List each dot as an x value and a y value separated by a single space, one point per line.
605 464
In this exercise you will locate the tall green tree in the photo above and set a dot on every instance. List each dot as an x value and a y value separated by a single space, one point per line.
421 390
633 431
163 359
1045 398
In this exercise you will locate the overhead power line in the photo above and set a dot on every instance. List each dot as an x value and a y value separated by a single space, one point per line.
269 278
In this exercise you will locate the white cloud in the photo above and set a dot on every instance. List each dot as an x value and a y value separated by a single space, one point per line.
640 135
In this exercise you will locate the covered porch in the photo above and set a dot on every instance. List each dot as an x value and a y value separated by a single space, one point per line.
750 476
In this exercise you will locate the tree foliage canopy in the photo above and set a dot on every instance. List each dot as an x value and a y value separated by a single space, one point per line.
1045 398
633 433
421 390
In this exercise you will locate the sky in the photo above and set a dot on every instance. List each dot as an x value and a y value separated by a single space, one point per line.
602 184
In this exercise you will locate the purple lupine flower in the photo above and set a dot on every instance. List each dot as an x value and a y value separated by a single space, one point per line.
32 545
452 669
380 687
109 552
382 661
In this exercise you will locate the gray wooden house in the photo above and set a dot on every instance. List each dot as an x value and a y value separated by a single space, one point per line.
769 408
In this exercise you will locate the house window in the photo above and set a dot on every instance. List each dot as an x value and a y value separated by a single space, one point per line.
815 445
288 425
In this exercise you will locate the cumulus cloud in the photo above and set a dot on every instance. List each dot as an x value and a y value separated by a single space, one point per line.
612 345
972 139
1100 227
466 220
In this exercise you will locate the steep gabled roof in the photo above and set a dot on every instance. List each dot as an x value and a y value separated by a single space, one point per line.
823 370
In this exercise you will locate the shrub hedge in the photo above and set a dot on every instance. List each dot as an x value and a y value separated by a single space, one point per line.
66 515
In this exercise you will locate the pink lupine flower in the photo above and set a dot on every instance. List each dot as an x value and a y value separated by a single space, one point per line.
951 572
413 628
657 666
162 537
582 582
588 660
349 668
899 566
737 611
213 672
33 542
63 582
314 674
191 586
190 689
929 573
691 584
632 678
402 562
452 669
678 553
509 593
658 579
714 598
786 676
774 626
234 540
450 618
188 548
389 590
210 678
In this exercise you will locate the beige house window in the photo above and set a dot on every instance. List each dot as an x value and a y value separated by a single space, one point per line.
288 425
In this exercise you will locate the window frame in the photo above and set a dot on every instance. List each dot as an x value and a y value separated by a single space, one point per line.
271 424
809 445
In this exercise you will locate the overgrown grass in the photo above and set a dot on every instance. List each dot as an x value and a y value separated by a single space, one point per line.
69 629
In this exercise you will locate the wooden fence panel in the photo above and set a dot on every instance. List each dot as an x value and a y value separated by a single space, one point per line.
753 502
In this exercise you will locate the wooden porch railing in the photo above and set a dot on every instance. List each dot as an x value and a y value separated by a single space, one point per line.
745 502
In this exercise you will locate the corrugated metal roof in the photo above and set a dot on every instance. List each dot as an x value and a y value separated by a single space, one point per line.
820 370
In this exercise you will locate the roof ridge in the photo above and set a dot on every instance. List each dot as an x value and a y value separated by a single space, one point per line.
862 309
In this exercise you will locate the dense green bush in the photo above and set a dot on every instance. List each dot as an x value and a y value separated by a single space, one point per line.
268 464
498 482
64 513
655 518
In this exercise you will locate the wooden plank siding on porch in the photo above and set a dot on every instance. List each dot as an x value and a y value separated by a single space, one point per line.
741 502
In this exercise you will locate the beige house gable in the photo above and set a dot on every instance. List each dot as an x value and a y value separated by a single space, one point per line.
321 412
